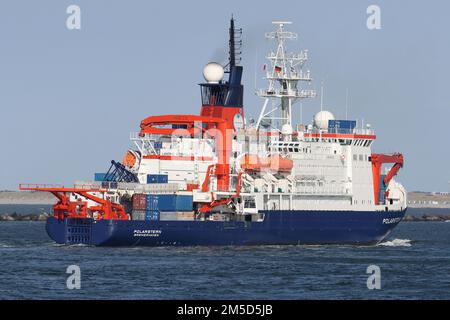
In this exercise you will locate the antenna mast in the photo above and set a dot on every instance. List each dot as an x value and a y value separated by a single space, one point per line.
235 45
283 75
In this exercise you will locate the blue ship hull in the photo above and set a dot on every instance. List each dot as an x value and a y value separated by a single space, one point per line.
278 228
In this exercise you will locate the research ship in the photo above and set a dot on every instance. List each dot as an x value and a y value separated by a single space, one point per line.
216 178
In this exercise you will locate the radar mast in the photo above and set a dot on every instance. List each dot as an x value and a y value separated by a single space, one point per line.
283 74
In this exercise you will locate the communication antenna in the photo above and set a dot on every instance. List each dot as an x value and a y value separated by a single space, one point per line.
235 46
283 74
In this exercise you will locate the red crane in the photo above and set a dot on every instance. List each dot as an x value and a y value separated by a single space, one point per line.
192 125
65 208
377 161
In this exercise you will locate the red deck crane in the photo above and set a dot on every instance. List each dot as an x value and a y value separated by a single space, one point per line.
192 126
65 208
377 161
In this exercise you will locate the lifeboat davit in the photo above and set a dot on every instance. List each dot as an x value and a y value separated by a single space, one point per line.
273 163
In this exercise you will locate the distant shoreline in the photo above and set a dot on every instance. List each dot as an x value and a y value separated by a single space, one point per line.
415 199
26 197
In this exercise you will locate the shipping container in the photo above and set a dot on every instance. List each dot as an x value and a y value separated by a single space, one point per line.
341 126
138 215
152 202
157 178
98 176
169 202
186 215
152 215
168 216
162 202
139 201
183 203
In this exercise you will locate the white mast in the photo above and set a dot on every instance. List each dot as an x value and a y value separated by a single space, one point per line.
283 74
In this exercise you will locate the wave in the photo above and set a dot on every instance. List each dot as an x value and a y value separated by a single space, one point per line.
396 243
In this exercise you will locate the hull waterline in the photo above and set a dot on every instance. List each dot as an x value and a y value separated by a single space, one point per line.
278 228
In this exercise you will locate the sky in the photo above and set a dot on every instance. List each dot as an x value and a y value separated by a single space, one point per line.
70 98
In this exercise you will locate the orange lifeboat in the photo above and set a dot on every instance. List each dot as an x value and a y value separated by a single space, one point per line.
274 163
131 159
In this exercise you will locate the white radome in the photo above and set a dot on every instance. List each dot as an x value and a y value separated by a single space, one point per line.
213 72
321 119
